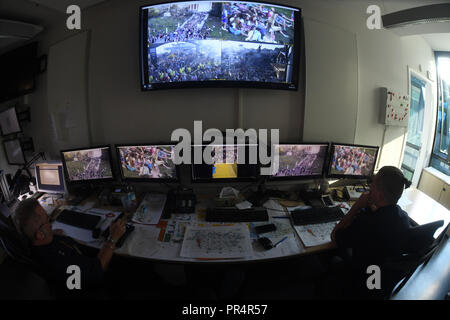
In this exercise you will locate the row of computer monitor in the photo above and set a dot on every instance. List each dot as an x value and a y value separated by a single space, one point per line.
155 163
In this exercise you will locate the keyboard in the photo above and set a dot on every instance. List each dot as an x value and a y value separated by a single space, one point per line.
316 215
78 219
233 214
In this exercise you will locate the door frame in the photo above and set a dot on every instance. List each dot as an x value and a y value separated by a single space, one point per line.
428 126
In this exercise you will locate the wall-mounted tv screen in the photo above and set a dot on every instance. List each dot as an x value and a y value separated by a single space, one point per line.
217 43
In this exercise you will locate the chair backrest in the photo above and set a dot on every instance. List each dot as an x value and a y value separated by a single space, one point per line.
14 244
419 246
420 238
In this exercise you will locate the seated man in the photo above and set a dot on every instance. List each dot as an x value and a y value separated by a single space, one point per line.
54 253
376 230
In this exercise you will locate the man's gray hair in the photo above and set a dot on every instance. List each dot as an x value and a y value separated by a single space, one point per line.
27 217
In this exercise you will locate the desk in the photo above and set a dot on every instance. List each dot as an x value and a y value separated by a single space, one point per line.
143 243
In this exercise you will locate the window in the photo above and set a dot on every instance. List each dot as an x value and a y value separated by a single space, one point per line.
440 159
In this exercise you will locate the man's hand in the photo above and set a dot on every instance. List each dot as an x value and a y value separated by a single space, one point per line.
58 232
117 229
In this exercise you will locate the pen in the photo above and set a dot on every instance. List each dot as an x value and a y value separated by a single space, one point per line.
281 217
280 241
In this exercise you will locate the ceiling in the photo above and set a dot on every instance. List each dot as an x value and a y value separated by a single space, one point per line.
46 13
61 5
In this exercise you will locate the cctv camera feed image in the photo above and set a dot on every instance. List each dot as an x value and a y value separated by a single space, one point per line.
226 164
236 41
148 162
353 160
301 160
89 164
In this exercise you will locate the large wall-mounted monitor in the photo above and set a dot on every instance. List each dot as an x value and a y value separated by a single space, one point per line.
227 166
352 161
87 164
50 177
300 161
14 152
9 122
219 44
149 162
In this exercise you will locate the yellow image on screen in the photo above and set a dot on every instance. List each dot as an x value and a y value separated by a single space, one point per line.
224 170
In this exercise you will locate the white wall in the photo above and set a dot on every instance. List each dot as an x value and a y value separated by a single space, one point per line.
346 64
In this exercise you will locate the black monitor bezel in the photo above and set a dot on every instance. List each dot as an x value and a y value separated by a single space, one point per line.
21 149
298 33
39 182
347 176
224 180
18 122
305 177
91 181
161 180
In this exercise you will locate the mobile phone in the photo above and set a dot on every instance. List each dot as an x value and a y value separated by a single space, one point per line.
327 200
265 228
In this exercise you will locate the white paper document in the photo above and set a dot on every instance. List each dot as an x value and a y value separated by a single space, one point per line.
143 241
150 209
216 242
315 234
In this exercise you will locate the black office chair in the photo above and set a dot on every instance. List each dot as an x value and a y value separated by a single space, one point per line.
18 250
419 246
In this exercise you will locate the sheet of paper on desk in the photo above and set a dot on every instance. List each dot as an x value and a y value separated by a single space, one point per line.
274 208
284 228
315 234
150 209
216 242
142 242
74 232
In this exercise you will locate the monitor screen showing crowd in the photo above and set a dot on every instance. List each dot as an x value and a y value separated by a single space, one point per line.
147 162
226 164
88 164
353 160
301 160
216 41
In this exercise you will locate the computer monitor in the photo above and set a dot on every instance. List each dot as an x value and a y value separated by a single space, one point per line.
50 177
87 165
300 161
8 122
226 166
147 162
14 152
352 161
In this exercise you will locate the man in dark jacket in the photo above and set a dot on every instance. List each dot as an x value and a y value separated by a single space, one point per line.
55 253
376 230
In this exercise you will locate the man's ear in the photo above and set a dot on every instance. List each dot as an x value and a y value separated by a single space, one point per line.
39 235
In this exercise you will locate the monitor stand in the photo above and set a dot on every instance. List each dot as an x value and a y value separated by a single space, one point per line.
262 194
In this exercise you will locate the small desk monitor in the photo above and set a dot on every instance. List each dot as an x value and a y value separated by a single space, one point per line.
50 177
226 166
9 123
352 161
148 162
14 152
300 161
87 165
